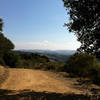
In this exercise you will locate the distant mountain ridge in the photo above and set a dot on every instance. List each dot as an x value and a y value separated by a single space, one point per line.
61 52
56 55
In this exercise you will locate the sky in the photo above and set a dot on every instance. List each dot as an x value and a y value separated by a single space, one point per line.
37 24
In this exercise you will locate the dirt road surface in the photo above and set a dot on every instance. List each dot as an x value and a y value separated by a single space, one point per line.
36 80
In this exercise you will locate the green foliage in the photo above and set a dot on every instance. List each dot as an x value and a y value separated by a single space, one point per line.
50 66
85 22
1 24
95 73
37 61
7 57
11 58
32 60
80 64
2 62
5 47
5 44
83 65
60 66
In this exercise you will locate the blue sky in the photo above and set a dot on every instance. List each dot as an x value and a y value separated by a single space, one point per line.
37 24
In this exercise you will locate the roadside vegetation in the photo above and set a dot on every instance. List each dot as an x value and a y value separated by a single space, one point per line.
83 65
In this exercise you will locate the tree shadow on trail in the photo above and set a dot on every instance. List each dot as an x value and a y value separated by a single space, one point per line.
31 95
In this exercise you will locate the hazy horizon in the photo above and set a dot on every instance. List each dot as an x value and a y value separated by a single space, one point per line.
46 49
43 46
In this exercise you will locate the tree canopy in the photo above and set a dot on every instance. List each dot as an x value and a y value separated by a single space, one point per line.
5 44
1 23
85 23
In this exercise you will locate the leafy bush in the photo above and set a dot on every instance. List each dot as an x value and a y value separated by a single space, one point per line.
33 60
95 73
2 62
80 64
5 44
11 59
50 66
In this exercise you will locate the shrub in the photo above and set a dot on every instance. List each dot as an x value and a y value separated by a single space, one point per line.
11 59
5 44
2 62
59 66
50 66
95 73
80 64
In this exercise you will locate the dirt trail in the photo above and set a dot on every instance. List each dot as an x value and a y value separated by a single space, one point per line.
36 80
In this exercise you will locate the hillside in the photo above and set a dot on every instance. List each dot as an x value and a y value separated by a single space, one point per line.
56 55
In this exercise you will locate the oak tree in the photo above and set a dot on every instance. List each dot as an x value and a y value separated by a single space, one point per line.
85 23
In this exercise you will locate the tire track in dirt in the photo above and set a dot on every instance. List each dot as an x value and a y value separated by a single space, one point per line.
4 76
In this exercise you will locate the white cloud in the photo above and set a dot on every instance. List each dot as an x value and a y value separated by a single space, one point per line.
47 45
